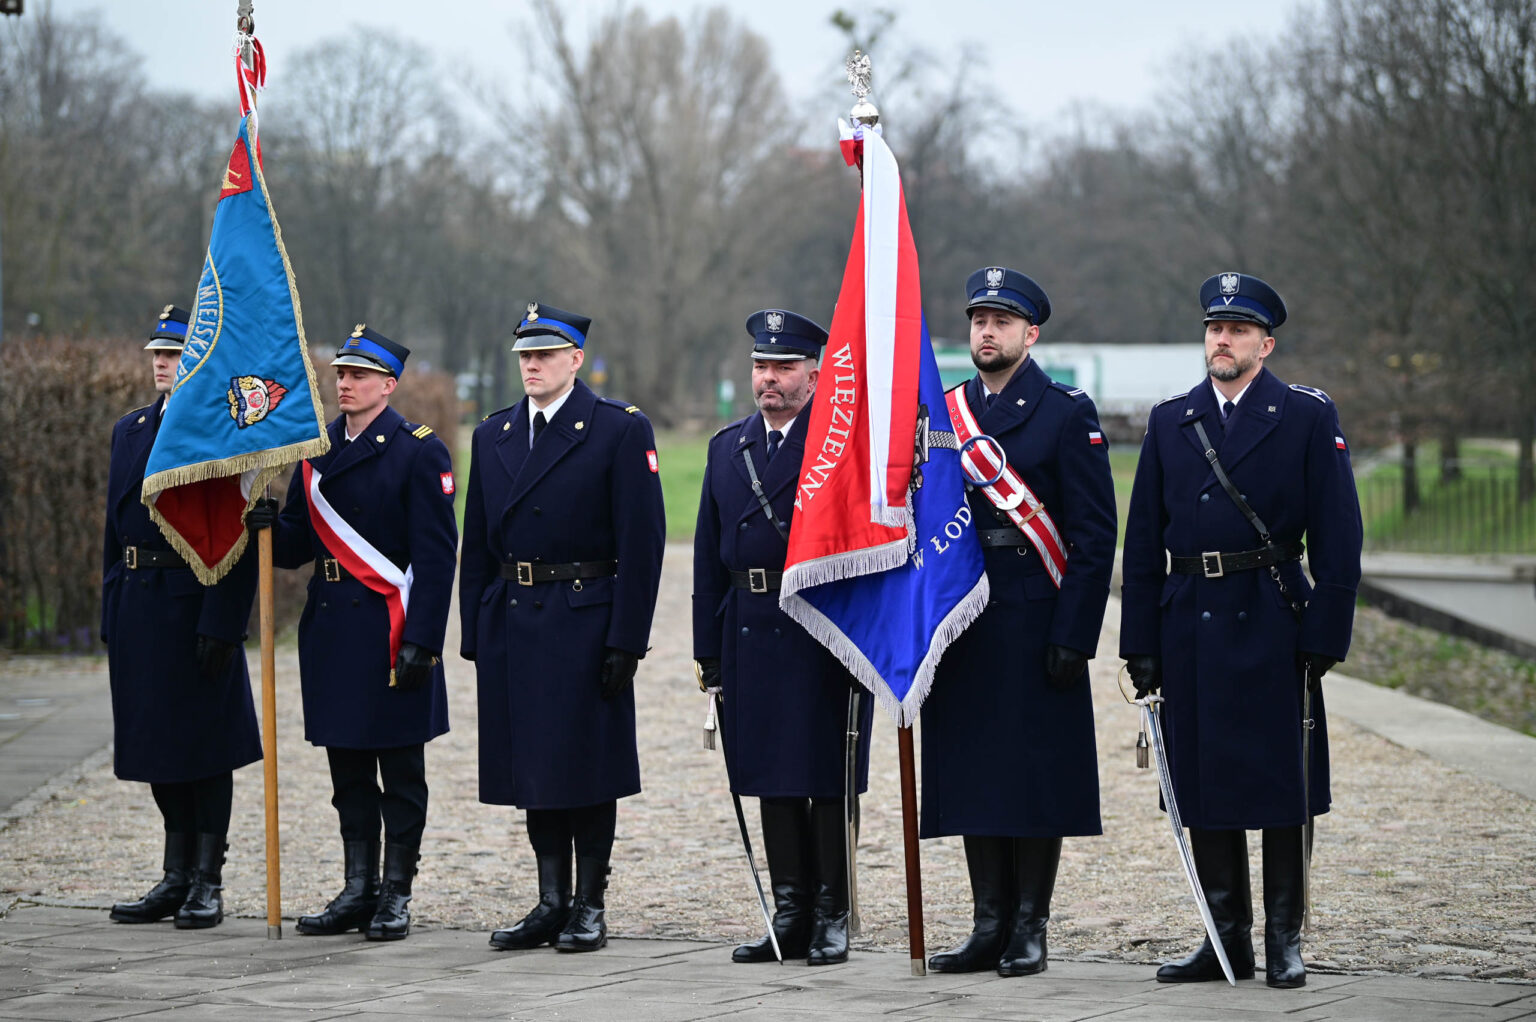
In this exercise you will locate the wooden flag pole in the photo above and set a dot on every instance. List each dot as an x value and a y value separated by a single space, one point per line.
269 735
914 869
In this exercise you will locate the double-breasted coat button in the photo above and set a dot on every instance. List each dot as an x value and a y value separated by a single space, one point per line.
1204 497
745 630
1205 615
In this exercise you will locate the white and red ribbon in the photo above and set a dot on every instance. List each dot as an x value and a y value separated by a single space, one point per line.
361 558
1010 493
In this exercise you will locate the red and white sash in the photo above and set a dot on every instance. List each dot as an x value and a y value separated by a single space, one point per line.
361 558
1011 492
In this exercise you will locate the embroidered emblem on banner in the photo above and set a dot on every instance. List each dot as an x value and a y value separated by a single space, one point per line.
251 398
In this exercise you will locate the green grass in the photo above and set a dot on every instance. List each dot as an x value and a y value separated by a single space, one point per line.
1478 513
682 457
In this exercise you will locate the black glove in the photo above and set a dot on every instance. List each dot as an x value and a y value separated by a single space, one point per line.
213 656
413 667
618 672
1063 666
1313 666
1146 673
262 515
709 673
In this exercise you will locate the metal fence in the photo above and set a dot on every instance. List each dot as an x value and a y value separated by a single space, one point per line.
1478 512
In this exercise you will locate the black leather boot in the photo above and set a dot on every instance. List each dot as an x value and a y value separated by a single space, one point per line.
1283 904
1034 876
166 896
829 927
204 906
586 929
392 918
786 843
1221 857
359 897
549 916
989 860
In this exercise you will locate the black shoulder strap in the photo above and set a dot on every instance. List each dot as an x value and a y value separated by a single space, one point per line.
762 500
1226 484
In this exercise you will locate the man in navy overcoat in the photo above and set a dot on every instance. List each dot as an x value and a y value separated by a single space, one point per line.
374 516
182 717
1008 743
785 700
1230 628
563 538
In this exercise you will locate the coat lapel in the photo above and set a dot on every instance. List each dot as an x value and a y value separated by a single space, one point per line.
1253 420
1200 406
511 444
363 448
559 438
1017 402
142 436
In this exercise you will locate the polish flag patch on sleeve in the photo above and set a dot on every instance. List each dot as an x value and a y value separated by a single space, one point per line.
1095 437
650 459
1338 442
447 480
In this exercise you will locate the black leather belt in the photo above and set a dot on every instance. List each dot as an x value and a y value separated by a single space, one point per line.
757 580
1002 537
1215 564
135 557
330 569
527 573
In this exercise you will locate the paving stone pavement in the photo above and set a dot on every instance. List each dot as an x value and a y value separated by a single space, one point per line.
1429 869
59 963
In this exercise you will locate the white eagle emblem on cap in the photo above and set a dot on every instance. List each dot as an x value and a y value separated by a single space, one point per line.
775 322
1229 283
994 276
533 312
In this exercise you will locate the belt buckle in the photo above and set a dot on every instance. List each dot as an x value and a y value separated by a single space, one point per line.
332 569
525 573
1208 558
757 580
131 558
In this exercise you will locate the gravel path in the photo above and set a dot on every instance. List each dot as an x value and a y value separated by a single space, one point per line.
1419 869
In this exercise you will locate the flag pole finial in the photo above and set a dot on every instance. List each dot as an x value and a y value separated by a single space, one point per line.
859 74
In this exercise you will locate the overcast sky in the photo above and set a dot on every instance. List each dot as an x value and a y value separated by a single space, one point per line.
1040 58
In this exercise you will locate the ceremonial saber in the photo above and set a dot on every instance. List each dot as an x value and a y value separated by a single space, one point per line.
1151 723
851 804
718 700
1307 724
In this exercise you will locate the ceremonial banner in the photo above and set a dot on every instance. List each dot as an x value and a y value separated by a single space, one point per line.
884 567
244 404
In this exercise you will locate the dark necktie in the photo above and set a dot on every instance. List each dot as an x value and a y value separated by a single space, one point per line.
990 398
539 423
775 437
1227 409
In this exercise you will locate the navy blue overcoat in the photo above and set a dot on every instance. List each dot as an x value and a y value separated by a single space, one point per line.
786 697
588 491
1004 752
1229 645
169 723
394 485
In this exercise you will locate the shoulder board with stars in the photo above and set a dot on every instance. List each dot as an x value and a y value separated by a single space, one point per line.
1175 397
1302 388
421 432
